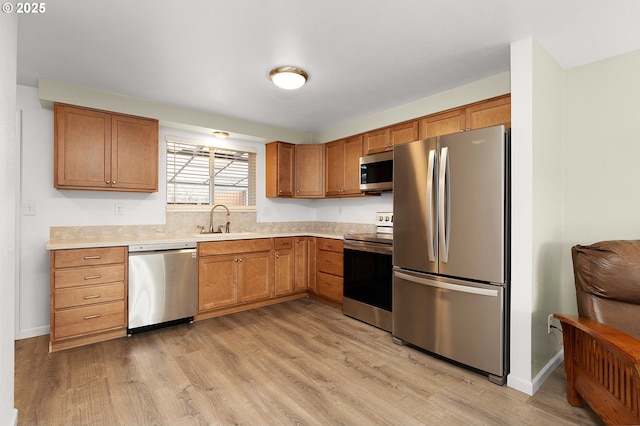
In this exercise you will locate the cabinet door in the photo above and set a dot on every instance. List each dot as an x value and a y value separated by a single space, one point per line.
444 123
286 167
217 281
301 264
255 276
489 113
82 148
404 133
377 141
284 272
134 153
280 169
334 167
309 176
352 154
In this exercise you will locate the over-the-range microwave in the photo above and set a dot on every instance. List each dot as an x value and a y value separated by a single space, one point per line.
376 172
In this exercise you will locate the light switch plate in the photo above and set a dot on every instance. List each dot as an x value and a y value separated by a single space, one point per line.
29 208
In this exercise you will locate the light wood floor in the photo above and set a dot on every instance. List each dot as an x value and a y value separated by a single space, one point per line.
300 362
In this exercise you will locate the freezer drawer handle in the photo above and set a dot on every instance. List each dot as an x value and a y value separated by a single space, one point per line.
447 286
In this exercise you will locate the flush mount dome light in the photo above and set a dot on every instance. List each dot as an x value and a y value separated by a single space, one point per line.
221 135
289 78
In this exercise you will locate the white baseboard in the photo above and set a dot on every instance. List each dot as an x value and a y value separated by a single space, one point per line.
32 332
547 370
13 420
530 387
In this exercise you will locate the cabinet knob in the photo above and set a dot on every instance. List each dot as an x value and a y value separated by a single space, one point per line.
107 182
277 256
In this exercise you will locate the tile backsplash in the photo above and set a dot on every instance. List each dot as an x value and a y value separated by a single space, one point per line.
180 223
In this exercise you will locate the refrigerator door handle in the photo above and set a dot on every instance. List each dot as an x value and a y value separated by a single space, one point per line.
431 236
447 286
444 199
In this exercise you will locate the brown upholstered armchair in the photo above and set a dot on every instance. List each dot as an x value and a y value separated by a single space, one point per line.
602 345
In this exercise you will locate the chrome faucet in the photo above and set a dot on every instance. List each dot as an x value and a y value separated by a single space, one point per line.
226 226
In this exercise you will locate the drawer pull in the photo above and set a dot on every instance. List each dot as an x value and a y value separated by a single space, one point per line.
96 296
92 316
92 257
92 277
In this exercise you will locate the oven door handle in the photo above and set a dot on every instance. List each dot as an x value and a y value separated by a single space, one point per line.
368 247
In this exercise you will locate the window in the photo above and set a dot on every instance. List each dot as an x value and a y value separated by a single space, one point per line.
200 174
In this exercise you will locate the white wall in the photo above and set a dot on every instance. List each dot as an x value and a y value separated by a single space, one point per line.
9 144
521 215
602 157
548 211
58 208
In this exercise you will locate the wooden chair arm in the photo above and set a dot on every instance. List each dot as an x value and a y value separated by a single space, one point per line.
614 339
602 365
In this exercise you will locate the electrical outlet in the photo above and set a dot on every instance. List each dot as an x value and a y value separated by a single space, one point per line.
549 319
119 209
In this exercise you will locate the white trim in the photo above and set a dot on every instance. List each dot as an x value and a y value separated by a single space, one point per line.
13 420
531 387
32 332
547 370
212 142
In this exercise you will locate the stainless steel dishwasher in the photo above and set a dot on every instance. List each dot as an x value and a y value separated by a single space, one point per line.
163 286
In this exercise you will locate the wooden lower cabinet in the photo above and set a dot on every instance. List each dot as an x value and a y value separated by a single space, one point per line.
88 289
302 266
284 266
329 269
232 272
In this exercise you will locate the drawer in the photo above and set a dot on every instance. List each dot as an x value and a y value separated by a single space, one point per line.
234 246
282 243
330 262
330 244
88 295
329 286
88 276
89 257
78 321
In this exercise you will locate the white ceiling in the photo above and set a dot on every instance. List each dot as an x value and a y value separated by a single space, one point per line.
362 56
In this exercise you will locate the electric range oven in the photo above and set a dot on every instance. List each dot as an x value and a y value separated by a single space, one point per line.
368 272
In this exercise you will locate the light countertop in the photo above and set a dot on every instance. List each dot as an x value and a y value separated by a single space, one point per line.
126 240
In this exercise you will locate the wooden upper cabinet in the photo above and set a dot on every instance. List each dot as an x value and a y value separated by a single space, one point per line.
309 170
99 150
385 139
404 133
492 112
443 123
280 169
334 167
342 166
352 154
489 113
377 141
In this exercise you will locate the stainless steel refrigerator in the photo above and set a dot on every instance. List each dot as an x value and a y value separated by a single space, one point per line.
450 247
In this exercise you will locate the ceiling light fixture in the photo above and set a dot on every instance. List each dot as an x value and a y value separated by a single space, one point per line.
288 78
221 135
